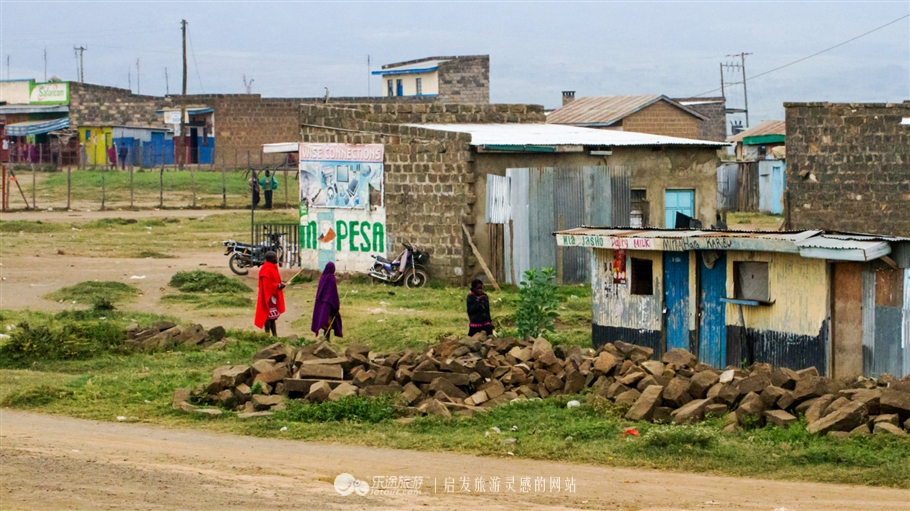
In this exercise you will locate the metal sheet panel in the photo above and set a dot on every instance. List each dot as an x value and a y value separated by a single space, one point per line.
498 210
868 321
621 183
569 206
905 331
727 184
519 191
543 218
676 285
712 345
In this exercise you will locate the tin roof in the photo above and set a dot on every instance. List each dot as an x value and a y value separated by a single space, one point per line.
557 135
762 128
607 110
811 244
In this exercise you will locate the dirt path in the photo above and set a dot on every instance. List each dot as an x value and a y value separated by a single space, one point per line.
51 462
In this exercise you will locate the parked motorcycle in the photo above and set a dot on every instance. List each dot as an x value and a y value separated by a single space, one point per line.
408 268
246 255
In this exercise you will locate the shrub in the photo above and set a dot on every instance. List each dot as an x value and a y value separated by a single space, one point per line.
351 408
93 290
35 396
680 436
198 281
71 340
537 303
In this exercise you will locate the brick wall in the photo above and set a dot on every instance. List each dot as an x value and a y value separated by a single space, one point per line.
428 182
465 80
715 109
661 118
848 167
111 106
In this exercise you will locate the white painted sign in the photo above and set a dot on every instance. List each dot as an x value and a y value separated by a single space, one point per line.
49 93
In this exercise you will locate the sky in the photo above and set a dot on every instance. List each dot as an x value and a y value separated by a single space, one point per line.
537 49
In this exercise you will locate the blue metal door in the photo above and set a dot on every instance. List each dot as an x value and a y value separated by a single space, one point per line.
678 201
712 339
777 185
676 284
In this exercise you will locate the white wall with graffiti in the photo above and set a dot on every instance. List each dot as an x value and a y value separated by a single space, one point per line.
342 206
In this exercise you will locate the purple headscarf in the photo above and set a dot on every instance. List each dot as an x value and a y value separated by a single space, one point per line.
327 302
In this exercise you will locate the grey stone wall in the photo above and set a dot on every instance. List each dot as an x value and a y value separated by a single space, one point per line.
465 80
93 105
715 128
848 167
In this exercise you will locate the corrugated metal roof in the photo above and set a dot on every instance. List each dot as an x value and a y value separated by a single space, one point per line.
21 129
33 109
762 128
417 67
557 135
606 110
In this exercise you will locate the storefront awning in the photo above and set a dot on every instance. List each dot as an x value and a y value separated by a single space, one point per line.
21 129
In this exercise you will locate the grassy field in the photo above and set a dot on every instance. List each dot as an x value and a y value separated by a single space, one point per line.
50 189
139 387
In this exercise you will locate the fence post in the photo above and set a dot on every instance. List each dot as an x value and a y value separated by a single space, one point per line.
285 188
193 177
34 206
223 186
69 186
161 186
102 189
131 186
3 189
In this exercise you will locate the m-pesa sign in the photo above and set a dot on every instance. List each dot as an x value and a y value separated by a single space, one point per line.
54 93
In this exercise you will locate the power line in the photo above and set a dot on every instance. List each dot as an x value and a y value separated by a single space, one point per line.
810 56
193 51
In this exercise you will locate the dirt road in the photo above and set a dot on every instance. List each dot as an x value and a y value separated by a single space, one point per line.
50 462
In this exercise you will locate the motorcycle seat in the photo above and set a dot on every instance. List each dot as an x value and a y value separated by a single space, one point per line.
384 260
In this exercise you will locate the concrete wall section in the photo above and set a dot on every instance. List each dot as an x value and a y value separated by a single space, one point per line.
848 167
662 118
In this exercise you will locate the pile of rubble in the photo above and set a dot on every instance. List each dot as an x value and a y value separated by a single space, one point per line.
165 335
470 375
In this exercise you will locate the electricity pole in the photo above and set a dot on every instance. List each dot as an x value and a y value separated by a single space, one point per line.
138 87
81 50
183 100
45 63
742 66
368 77
167 84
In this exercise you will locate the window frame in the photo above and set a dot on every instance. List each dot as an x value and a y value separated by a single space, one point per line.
636 266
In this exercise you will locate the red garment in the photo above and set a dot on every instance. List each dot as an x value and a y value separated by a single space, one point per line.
269 279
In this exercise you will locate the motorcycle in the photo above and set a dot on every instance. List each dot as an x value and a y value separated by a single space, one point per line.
246 255
408 268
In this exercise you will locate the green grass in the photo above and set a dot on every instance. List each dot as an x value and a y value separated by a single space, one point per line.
199 281
209 300
759 220
29 226
91 291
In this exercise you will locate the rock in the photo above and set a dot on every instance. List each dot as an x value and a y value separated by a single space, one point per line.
730 428
478 398
786 401
676 393
365 378
784 378
861 430
727 376
895 401
871 397
716 410
253 415
276 352
227 398
725 393
243 393
628 397
780 418
553 383
771 394
605 362
755 383
275 375
614 389
235 376
692 411
522 354
888 428
261 402
548 358
457 379
808 372
640 354
632 378
817 410
261 366
324 350
846 419
656 368
320 371
890 418
180 396
808 387
750 408
646 382
644 406
836 405
215 346
575 382
208 411
493 388
319 392
701 382
342 391
409 394
680 358
192 335
540 345
161 326
446 386
662 415
434 407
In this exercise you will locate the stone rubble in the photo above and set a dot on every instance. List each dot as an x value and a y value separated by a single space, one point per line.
465 376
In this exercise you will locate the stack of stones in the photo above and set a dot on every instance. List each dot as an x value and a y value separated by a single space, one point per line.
464 376
165 335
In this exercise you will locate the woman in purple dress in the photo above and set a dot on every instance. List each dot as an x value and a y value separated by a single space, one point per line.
326 313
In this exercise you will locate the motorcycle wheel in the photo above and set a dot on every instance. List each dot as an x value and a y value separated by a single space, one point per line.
238 265
416 277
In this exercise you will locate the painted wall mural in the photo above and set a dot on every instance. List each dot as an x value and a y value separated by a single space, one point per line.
342 205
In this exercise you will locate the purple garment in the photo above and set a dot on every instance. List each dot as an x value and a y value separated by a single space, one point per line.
327 302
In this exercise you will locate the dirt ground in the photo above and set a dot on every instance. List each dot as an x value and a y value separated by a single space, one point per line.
51 462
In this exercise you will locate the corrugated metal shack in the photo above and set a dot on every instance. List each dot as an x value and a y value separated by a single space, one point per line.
839 302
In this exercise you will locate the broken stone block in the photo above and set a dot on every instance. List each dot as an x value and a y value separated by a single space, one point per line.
676 393
808 387
324 350
680 358
457 379
365 378
276 352
227 398
846 419
478 398
522 354
605 362
632 378
654 367
614 389
409 394
434 407
235 376
553 383
784 378
319 392
871 397
890 418
662 415
320 371
261 402
835 405
808 372
575 382
640 354
895 401
692 411
861 430
493 389
628 397
888 428
647 381
726 393
780 418
643 408
243 393
817 409
716 410
701 382
727 376
540 345
180 396
261 366
750 408
446 386
771 394
342 391
275 375
755 383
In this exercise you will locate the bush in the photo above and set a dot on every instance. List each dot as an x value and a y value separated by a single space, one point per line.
198 281
680 436
37 395
537 303
71 340
92 291
351 408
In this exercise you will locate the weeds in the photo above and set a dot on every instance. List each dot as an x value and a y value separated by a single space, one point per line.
679 435
350 408
38 395
30 226
67 340
198 281
153 255
92 291
210 300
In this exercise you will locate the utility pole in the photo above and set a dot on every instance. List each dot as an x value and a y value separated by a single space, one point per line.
129 78
722 93
368 77
167 84
742 67
7 67
183 100
138 85
45 63
81 50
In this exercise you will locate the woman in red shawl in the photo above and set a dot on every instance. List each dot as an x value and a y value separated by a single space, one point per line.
270 304
326 315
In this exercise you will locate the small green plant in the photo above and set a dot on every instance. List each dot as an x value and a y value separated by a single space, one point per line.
102 304
198 281
537 303
351 408
257 388
90 291
680 436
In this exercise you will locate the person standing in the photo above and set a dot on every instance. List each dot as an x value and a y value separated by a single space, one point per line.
268 184
112 156
122 155
270 303
478 310
326 310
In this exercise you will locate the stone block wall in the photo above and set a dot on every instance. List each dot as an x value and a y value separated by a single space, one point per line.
715 109
465 80
429 189
662 118
848 167
111 106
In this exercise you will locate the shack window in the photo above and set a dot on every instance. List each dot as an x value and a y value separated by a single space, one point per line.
642 277
750 281
640 208
389 90
419 86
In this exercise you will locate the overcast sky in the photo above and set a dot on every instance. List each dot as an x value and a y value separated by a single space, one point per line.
536 49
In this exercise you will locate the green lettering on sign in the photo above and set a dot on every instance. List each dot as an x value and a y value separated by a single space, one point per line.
341 230
354 232
378 237
365 235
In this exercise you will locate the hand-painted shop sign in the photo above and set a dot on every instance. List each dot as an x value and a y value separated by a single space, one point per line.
343 235
53 93
340 175
676 244
371 153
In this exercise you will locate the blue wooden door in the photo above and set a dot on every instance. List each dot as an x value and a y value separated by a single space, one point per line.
676 297
712 339
678 201
777 185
